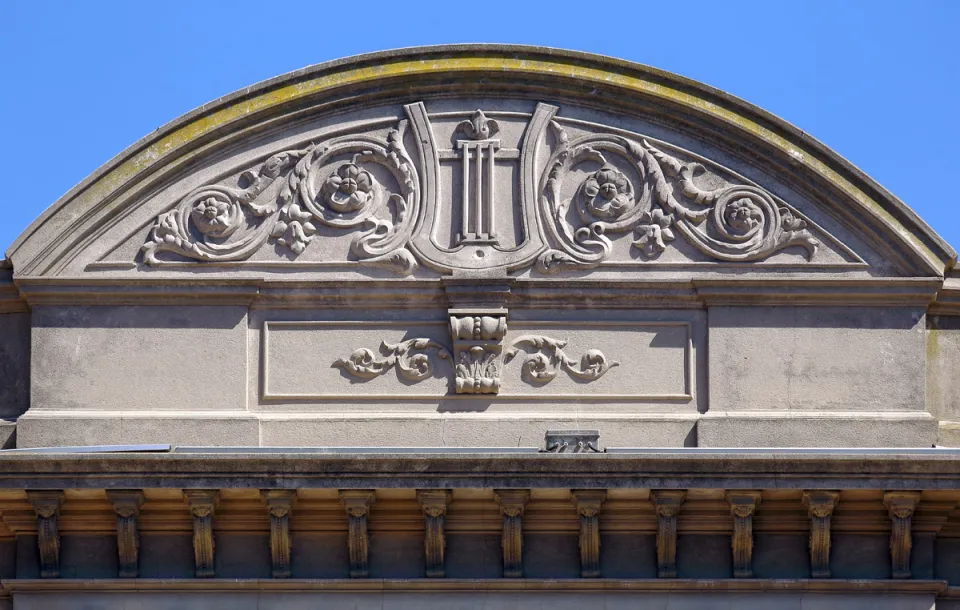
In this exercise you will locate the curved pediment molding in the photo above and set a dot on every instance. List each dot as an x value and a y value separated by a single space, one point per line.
487 159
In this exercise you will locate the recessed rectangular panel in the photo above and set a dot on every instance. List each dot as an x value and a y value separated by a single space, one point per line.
337 360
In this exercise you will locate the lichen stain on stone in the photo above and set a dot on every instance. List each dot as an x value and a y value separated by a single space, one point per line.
283 94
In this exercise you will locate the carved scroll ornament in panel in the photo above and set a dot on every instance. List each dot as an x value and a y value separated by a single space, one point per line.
461 191
628 361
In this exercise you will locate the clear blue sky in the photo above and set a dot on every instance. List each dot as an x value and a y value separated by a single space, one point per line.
877 81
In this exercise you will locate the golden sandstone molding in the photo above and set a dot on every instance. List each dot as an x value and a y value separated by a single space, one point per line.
127 504
900 507
512 503
514 514
357 504
742 506
667 504
434 504
589 502
47 504
203 503
279 505
820 506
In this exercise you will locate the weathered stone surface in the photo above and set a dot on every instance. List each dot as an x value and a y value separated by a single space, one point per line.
468 247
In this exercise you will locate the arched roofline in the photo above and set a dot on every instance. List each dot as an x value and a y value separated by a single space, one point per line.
70 219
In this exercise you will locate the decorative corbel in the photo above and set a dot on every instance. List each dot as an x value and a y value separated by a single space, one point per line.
202 503
127 504
588 503
434 503
512 503
477 347
667 503
279 504
357 503
742 506
46 504
900 506
820 506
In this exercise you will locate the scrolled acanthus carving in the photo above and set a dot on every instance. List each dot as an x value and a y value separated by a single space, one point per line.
545 357
659 199
329 184
411 357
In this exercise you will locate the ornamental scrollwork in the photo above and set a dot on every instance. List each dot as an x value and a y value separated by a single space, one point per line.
659 199
329 184
545 357
412 358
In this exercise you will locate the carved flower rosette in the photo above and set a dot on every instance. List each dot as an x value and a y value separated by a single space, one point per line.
338 183
626 185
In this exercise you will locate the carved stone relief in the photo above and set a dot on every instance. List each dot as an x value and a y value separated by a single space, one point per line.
477 354
594 186
127 504
545 356
46 504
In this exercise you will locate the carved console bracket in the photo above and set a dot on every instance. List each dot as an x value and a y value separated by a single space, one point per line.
820 506
477 346
279 505
434 503
588 503
357 503
900 506
667 503
46 504
512 502
127 504
742 506
202 503
572 441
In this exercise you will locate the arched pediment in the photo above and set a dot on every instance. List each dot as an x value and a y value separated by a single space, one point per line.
497 160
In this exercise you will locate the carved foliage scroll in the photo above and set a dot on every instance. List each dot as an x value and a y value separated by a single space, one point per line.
588 502
820 505
329 184
592 187
46 505
640 188
357 503
512 503
434 503
742 506
279 505
545 357
900 507
667 503
202 503
127 503
413 359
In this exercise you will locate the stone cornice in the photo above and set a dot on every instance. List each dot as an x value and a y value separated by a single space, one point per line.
521 293
892 470
10 299
145 585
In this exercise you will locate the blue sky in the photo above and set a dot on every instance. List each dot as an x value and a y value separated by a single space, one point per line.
877 81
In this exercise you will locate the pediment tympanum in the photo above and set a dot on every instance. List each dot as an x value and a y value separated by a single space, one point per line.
466 194
493 159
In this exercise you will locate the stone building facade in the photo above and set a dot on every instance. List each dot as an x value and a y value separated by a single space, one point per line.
479 326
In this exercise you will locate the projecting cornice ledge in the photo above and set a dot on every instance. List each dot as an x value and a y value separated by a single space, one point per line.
679 469
943 298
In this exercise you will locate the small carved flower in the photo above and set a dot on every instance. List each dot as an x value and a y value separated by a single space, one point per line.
349 189
608 193
743 216
212 215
